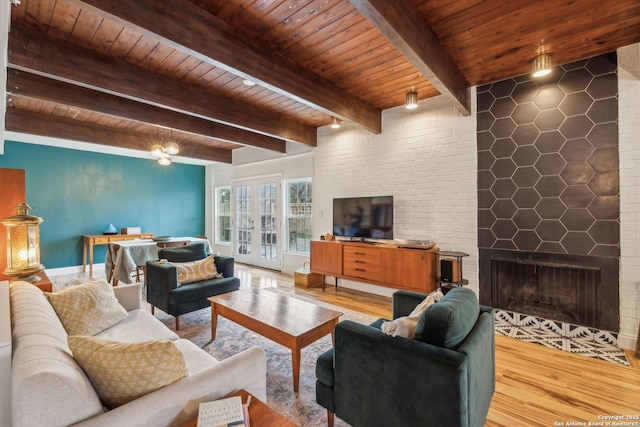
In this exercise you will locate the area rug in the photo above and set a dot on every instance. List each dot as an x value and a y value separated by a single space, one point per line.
576 339
232 339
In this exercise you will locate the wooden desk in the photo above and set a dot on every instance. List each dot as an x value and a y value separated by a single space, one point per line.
89 241
260 414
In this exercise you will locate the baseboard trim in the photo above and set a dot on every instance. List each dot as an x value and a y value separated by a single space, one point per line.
74 269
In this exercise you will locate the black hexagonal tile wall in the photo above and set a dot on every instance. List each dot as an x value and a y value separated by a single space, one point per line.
576 150
551 208
526 219
525 176
577 173
549 120
604 160
549 142
550 186
503 147
551 230
526 198
576 103
525 113
605 184
548 161
525 134
526 155
503 107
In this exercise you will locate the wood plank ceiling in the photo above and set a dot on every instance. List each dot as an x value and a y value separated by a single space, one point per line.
133 73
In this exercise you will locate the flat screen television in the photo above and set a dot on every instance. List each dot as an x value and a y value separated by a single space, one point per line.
363 217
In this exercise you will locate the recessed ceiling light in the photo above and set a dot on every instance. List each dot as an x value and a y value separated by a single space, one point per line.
248 82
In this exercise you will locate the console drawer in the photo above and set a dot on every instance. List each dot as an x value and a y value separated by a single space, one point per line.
362 262
362 271
368 255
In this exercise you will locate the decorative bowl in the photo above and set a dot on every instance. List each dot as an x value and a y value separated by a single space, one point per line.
161 238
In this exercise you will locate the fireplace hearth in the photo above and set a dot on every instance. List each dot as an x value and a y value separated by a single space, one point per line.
577 289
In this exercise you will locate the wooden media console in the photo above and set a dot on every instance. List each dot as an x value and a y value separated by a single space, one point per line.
379 264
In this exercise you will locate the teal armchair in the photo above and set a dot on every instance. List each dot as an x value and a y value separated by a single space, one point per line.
162 281
445 376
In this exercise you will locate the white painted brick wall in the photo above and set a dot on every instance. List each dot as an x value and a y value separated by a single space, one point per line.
629 147
425 158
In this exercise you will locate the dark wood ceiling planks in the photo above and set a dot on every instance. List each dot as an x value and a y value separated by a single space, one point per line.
154 68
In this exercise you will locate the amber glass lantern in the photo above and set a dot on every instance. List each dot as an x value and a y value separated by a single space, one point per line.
23 245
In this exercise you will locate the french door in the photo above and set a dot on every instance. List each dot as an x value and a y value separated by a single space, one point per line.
256 224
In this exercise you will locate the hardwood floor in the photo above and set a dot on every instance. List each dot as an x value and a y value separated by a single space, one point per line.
535 385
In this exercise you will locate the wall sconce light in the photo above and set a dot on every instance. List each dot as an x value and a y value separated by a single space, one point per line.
335 122
411 101
23 245
163 153
541 65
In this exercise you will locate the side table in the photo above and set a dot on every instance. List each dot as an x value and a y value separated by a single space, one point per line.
260 414
455 274
44 283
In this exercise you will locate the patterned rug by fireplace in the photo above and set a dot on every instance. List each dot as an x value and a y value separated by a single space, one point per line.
576 339
232 339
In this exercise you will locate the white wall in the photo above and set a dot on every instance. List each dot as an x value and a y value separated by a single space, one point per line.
629 149
425 158
289 166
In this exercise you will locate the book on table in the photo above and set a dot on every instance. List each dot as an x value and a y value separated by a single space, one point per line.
227 412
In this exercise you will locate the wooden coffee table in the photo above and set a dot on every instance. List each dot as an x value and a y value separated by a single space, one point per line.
288 321
260 414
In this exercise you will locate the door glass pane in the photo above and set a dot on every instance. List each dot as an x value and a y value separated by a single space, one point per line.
268 221
243 220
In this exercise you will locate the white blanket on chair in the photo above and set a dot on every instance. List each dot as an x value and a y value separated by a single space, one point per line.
406 326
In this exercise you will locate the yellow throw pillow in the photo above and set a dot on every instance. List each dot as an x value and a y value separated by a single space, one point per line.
194 271
87 309
122 372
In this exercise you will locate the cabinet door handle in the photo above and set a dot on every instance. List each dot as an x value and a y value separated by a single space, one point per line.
360 253
359 262
361 269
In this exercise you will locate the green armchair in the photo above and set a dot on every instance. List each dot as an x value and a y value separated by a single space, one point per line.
162 281
445 376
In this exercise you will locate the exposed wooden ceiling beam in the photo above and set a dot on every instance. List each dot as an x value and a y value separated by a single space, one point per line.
404 26
190 29
30 51
61 127
46 89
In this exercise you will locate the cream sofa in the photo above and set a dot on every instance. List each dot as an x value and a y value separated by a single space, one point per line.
49 388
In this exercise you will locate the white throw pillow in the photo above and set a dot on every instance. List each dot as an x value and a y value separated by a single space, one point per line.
195 271
87 309
406 326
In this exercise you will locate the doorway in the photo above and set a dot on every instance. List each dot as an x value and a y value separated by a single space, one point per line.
256 223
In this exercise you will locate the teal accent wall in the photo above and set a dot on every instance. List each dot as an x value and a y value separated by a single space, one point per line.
79 192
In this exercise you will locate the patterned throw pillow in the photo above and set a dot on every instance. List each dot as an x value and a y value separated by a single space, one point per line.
122 372
87 309
194 271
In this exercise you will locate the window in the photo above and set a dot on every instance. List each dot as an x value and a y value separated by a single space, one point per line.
299 215
223 211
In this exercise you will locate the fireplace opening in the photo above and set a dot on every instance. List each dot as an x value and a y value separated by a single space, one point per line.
566 294
582 290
